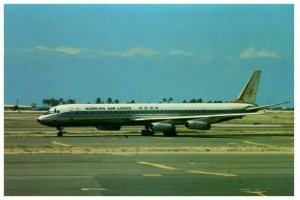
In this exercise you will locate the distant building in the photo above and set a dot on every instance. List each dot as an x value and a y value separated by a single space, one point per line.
17 107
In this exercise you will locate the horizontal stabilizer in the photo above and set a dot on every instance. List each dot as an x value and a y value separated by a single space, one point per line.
265 106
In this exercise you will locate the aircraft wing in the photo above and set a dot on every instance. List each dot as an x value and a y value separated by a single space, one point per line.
191 117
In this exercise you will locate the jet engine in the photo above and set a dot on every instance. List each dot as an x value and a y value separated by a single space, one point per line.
200 125
163 127
108 128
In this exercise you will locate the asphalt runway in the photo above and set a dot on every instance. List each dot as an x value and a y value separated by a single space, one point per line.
154 141
137 129
244 165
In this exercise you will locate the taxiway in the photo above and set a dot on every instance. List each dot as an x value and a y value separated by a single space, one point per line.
136 165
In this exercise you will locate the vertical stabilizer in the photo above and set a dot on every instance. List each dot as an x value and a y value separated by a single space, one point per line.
248 94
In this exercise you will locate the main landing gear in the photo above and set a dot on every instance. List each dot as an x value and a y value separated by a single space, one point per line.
147 131
168 133
60 131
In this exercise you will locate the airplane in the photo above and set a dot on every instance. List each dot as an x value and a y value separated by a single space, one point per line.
155 116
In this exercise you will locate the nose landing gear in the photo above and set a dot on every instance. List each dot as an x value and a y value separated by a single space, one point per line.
60 131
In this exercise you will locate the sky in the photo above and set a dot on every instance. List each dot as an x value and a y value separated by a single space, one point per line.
147 52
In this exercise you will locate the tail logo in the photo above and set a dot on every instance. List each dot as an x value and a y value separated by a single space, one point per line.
251 93
248 94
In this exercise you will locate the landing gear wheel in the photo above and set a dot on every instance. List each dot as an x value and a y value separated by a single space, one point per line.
147 132
171 133
151 133
144 132
60 134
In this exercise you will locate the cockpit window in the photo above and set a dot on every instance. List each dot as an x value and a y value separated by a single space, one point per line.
53 110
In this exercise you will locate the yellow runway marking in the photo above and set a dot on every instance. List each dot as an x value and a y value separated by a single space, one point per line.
163 138
210 173
99 189
157 165
259 144
61 144
190 171
153 175
259 193
121 154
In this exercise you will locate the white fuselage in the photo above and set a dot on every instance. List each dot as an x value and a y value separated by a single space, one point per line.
156 116
125 114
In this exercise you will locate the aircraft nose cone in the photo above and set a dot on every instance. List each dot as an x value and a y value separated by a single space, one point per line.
40 120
